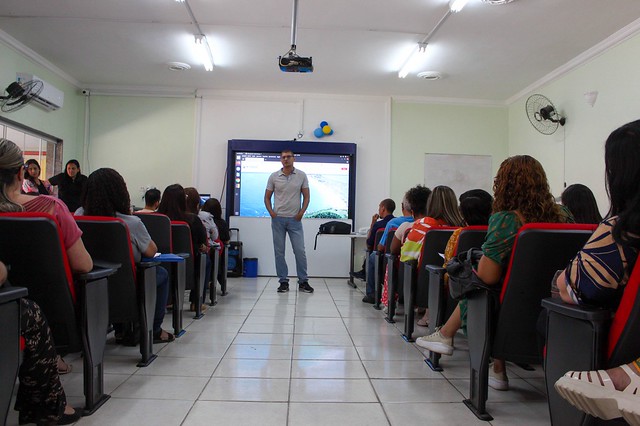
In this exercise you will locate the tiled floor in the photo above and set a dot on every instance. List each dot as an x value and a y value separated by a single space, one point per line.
264 358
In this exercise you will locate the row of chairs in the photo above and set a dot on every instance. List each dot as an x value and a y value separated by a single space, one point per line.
502 323
74 304
31 247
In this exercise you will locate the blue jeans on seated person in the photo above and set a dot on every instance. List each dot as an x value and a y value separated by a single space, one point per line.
371 271
280 226
162 293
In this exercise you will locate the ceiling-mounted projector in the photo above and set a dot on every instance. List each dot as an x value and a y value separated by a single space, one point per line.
290 61
294 63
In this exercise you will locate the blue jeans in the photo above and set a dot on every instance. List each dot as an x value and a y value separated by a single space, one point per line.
162 292
280 226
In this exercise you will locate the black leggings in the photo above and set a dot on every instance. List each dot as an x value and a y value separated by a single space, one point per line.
40 395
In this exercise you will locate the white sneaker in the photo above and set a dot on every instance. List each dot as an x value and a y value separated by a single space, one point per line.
498 381
436 342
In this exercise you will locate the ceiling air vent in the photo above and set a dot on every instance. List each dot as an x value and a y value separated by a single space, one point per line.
178 66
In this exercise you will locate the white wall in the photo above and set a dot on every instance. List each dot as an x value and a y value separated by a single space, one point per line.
614 74
330 259
364 121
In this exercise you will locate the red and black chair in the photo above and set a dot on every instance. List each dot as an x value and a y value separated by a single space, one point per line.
583 338
394 276
440 303
416 276
75 305
9 344
195 265
381 265
501 322
159 227
132 289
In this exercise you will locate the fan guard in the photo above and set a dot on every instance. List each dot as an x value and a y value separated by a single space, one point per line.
543 115
20 94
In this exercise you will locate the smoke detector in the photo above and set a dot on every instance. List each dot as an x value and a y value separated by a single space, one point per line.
178 66
429 75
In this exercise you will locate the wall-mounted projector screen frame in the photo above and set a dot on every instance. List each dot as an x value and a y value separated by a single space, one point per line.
330 167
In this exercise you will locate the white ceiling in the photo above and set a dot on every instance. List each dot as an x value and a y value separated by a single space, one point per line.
486 53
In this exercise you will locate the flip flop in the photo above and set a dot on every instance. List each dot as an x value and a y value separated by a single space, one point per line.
158 339
68 369
422 323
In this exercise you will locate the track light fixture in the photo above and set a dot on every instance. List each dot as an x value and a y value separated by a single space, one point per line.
418 53
204 51
457 5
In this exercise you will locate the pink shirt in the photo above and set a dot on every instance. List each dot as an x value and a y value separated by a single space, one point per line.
48 204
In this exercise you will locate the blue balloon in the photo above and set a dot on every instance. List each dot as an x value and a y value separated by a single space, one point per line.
331 132
323 123
318 133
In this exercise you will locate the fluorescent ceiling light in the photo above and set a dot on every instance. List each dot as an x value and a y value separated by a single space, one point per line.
416 55
179 1
457 5
204 51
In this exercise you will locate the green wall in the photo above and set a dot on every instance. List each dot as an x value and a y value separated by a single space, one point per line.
149 140
66 123
417 129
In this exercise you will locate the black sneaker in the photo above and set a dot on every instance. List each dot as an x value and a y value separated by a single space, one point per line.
284 287
359 275
369 299
305 288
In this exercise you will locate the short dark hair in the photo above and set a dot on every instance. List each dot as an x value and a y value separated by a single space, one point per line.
417 198
476 206
152 196
388 204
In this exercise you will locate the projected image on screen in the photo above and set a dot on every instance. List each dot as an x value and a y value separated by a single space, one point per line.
328 183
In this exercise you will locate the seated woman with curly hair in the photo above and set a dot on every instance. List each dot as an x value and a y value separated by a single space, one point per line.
106 194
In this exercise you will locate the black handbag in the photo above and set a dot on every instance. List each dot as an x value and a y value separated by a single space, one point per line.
463 278
332 227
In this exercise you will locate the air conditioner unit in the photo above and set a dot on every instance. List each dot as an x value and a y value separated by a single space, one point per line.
50 98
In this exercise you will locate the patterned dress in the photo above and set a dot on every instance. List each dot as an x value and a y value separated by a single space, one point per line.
599 272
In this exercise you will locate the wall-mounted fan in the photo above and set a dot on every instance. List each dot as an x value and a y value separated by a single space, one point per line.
543 115
20 94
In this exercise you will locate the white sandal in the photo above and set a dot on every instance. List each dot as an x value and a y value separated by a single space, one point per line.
594 393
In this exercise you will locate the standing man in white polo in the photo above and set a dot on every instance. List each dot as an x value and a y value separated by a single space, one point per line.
287 185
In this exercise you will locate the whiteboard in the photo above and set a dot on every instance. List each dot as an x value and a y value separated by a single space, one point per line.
459 172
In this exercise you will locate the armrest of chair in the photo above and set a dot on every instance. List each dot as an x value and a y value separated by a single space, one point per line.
183 255
9 294
435 269
579 312
144 264
97 273
576 339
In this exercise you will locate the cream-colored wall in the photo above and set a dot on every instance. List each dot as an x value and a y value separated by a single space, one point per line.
417 129
614 74
66 123
149 140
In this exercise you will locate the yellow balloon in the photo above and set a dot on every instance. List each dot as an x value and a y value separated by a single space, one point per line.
326 130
